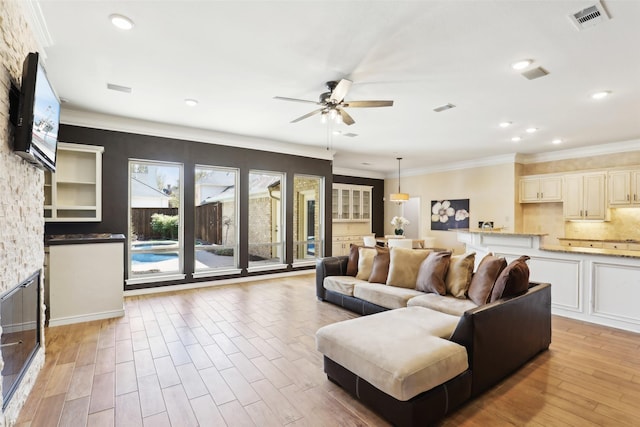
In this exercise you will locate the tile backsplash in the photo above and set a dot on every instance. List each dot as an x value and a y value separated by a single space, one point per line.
624 224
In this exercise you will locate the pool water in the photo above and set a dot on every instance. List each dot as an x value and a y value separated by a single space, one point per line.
139 258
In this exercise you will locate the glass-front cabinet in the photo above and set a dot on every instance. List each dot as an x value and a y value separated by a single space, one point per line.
351 203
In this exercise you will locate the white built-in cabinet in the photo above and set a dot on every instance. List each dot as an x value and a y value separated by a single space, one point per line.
351 203
585 196
540 188
341 245
624 188
74 192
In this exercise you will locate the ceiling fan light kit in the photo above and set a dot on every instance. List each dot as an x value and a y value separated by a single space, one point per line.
333 104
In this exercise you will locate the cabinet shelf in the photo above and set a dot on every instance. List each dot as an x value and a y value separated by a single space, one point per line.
74 192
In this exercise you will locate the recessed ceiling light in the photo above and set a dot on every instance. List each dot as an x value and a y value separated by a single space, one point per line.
191 102
531 130
121 21
557 141
601 95
505 124
522 64
516 139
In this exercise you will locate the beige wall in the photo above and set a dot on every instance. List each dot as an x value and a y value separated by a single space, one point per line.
21 188
491 191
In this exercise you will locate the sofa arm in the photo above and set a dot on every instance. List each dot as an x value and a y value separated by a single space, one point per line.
329 266
503 335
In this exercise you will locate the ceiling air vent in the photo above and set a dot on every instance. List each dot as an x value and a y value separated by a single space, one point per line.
535 73
589 17
118 88
444 107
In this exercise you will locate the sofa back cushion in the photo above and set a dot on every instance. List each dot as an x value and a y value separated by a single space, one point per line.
380 269
432 273
483 280
352 263
513 280
404 266
459 274
365 262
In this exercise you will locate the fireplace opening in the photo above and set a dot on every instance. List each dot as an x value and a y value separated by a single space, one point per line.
20 339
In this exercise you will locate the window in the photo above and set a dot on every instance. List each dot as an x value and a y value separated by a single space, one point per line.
266 220
155 221
216 220
308 208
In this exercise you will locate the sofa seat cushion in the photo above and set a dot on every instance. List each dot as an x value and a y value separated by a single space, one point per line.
443 303
384 295
341 284
402 352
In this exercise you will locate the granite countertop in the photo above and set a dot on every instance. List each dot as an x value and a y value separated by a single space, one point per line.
592 251
600 240
501 232
68 239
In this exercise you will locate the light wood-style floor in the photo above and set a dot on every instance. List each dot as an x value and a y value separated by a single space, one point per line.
245 355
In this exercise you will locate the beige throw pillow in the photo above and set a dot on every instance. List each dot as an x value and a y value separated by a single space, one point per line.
459 274
365 262
404 266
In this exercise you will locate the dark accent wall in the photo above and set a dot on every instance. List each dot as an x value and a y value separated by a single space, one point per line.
119 147
377 199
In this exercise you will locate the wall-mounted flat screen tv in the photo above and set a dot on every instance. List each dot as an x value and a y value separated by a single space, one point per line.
36 136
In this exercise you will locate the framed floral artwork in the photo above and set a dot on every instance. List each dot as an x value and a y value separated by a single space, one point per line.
449 214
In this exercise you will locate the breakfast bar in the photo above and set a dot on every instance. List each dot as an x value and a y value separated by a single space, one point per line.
593 284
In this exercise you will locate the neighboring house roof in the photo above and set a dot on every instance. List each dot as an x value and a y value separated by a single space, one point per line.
142 189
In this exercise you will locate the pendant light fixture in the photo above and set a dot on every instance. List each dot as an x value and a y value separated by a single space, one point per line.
399 197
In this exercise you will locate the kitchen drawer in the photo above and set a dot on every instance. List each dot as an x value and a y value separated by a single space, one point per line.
572 243
633 246
615 245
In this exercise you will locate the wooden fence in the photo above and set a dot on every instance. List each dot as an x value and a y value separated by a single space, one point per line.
208 222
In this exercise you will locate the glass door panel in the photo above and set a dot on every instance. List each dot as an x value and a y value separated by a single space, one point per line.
307 219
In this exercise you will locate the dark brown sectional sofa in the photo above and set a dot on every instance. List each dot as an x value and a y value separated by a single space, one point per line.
499 337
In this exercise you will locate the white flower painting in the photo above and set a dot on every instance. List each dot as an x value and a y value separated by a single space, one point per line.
449 214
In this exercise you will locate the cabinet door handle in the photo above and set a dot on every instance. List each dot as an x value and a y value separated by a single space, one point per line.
635 197
628 197
537 195
586 213
542 195
581 212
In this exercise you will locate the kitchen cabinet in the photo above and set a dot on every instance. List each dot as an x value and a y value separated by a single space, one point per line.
624 188
585 196
74 192
341 244
540 188
351 203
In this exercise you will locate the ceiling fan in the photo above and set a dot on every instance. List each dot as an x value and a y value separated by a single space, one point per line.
332 103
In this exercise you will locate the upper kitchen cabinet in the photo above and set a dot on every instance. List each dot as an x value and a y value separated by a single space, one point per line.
585 196
540 188
351 203
74 192
624 188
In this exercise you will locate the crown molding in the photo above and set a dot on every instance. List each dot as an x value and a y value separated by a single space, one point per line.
35 18
467 164
142 127
575 153
358 173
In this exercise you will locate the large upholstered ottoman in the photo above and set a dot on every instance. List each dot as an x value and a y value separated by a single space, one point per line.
399 362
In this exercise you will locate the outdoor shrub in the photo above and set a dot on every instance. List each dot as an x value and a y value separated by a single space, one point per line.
165 226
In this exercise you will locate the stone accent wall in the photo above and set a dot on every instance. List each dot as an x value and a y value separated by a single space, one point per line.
21 188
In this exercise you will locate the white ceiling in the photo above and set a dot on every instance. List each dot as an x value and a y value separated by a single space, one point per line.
235 56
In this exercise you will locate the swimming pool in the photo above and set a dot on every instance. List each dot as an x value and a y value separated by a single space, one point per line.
148 257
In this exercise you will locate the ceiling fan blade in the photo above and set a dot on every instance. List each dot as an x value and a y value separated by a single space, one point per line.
340 91
368 104
284 98
346 118
306 116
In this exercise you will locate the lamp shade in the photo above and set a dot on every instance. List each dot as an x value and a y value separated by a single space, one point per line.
399 197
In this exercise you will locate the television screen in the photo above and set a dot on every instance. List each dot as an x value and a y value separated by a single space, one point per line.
46 116
36 137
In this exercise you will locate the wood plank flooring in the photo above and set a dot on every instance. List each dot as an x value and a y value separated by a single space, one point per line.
244 355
